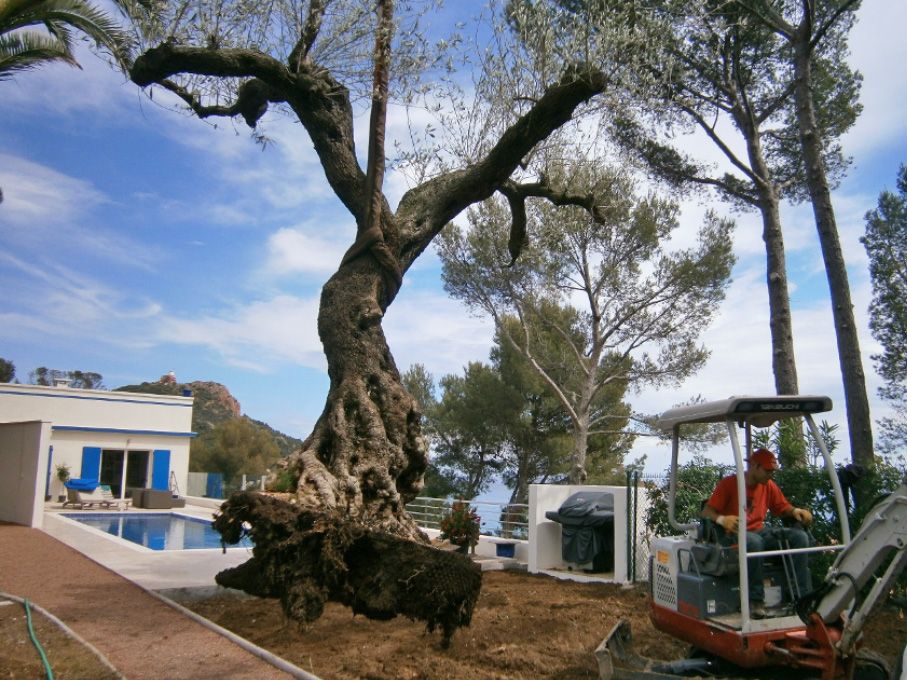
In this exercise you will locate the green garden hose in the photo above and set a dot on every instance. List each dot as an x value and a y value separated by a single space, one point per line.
34 639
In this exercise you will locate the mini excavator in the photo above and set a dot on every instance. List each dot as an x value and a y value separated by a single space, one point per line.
699 593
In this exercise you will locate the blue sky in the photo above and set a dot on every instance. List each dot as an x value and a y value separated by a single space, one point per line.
135 240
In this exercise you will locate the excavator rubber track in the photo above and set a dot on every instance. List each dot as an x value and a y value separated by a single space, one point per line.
618 660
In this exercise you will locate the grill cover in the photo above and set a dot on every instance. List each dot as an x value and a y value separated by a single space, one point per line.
587 528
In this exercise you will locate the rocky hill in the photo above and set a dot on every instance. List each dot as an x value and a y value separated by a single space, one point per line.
213 405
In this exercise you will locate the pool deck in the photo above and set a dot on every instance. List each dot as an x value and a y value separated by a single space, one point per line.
108 591
151 569
141 635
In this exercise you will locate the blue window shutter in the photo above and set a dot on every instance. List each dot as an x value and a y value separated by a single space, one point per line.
91 462
50 460
160 469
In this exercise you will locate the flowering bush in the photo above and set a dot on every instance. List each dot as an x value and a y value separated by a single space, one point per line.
460 526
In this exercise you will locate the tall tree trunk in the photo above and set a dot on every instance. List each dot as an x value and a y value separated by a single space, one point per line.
578 472
784 364
858 417
366 455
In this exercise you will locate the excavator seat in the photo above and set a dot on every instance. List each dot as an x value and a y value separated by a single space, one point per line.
710 556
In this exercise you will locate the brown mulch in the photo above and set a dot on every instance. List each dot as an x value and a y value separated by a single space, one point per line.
523 626
141 636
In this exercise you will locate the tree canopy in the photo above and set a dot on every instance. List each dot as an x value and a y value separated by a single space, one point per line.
234 447
598 297
885 241
7 370
87 380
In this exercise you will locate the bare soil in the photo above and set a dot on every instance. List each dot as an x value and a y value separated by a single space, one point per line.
19 658
523 626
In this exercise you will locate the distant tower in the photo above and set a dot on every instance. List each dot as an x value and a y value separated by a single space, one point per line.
169 379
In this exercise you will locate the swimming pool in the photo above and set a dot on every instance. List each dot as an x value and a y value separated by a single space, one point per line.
157 530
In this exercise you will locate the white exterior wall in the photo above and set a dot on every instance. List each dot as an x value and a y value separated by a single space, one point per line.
23 469
109 420
68 407
545 535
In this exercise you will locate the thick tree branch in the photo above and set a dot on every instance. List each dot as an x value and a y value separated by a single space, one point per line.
453 192
310 31
516 195
169 59
321 103
378 227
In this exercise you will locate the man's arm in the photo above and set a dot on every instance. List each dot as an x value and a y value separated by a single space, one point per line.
726 522
802 515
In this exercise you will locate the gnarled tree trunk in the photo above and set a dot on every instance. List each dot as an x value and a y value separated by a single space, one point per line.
366 455
365 458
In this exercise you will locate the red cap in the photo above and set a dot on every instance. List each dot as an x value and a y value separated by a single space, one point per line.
765 458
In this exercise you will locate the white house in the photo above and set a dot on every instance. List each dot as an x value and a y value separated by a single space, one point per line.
122 439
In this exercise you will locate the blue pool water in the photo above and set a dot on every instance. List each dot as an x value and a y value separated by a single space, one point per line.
158 531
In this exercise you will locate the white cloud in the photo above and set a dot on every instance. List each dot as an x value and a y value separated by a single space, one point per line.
429 328
878 51
43 207
35 195
254 335
295 250
48 299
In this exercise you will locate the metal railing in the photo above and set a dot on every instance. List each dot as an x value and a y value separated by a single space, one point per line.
507 520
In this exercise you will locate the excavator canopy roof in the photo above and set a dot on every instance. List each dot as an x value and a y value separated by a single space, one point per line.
759 411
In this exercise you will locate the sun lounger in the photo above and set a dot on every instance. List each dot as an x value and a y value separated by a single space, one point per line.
101 496
110 499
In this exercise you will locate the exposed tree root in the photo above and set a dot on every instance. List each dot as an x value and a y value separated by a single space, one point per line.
305 558
366 456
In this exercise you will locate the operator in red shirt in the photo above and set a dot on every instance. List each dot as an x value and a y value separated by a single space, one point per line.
762 495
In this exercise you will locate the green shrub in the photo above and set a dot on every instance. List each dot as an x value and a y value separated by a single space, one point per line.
460 526
283 482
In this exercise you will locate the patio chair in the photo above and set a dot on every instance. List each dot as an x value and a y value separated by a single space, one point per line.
152 499
110 500
101 496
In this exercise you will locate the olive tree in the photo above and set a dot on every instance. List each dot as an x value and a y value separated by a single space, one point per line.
366 454
365 458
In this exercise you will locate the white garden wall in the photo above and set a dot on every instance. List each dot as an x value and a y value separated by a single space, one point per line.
544 551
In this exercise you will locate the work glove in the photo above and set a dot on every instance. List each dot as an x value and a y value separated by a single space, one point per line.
728 523
802 515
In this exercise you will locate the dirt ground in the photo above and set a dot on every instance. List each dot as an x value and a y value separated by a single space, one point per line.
524 626
19 657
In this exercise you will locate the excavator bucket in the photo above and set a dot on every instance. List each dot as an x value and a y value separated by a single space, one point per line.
618 661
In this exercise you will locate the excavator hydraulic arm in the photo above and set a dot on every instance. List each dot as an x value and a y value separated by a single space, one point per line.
882 537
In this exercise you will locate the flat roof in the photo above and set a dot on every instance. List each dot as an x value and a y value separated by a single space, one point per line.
761 411
18 389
